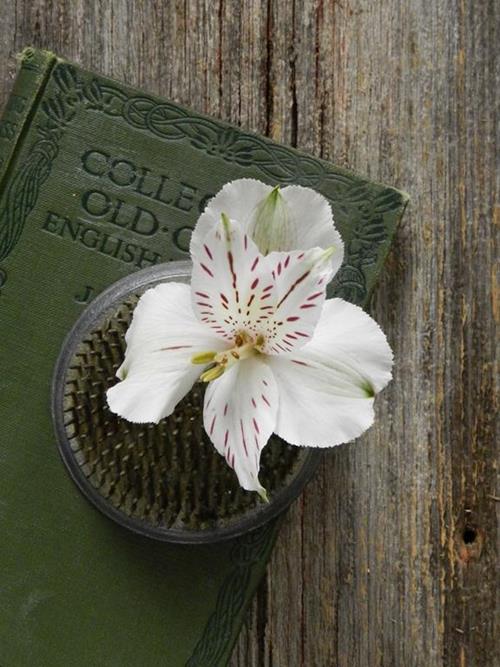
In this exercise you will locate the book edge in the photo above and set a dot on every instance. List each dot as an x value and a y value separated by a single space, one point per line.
31 79
330 166
396 218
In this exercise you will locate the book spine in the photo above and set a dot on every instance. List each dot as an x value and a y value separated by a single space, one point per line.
28 88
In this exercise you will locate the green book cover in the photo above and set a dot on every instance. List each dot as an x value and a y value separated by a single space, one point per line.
98 180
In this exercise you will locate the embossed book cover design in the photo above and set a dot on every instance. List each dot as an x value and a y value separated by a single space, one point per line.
98 180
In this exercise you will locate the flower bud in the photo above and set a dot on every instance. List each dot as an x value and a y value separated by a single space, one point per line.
270 227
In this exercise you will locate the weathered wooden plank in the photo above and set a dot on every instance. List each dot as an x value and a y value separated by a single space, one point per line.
389 557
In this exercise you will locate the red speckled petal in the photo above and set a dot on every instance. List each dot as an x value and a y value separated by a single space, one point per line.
240 415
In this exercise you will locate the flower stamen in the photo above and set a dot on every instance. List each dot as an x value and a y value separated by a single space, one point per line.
212 373
244 347
203 357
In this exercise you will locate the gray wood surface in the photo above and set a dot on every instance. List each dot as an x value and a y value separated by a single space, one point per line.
389 557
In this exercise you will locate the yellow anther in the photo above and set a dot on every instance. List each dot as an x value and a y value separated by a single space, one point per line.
223 361
203 358
212 374
260 340
263 494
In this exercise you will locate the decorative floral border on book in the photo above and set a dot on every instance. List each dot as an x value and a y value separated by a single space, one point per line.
347 193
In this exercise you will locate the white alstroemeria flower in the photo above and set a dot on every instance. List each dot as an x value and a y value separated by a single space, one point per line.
276 356
276 219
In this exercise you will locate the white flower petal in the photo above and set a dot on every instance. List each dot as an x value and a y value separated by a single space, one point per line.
301 279
237 199
232 286
311 215
326 388
240 415
347 333
157 371
236 290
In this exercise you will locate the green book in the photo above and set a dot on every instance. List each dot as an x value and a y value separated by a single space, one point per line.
98 180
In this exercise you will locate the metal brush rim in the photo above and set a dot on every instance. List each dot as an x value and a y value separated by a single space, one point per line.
108 300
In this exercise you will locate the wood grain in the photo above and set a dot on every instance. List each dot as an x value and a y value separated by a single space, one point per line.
389 558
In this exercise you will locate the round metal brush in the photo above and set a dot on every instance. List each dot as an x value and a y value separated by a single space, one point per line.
165 481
